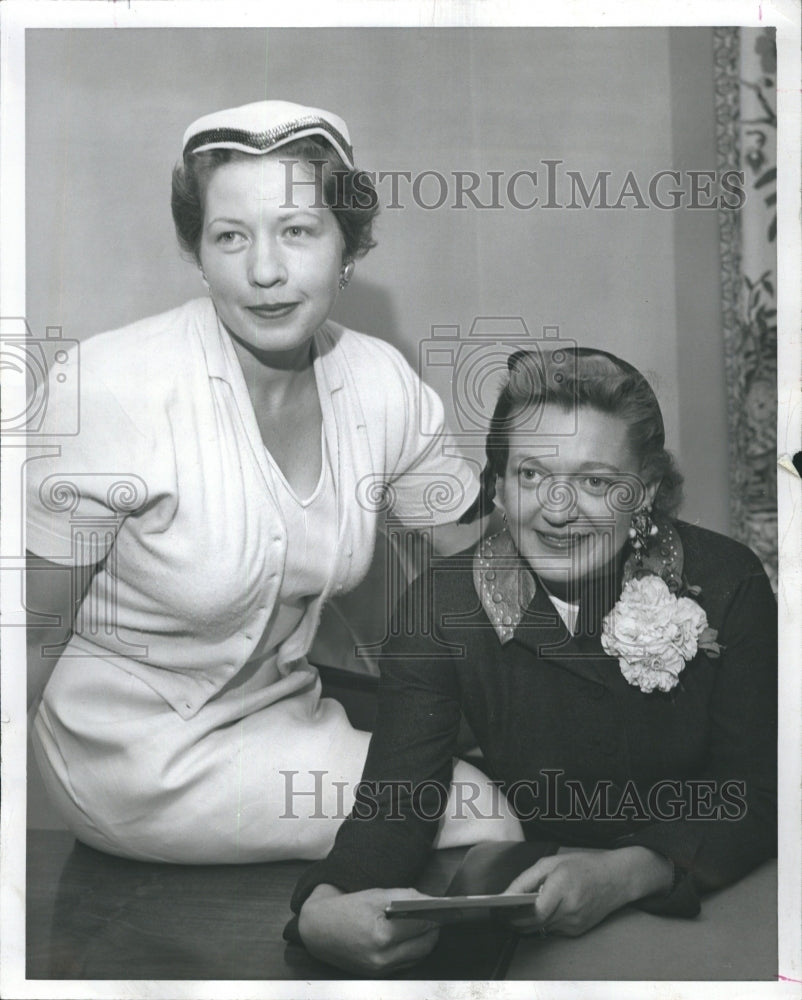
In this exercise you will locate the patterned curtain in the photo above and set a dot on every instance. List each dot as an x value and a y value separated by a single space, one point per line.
746 133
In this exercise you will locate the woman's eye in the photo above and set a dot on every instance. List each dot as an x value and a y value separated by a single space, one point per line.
295 232
229 238
528 475
597 484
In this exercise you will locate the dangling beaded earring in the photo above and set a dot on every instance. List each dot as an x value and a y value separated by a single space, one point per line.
641 529
346 274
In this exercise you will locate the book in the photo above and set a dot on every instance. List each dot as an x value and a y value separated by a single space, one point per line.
476 891
454 909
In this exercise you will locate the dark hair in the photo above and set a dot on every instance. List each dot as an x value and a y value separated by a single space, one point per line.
571 377
350 194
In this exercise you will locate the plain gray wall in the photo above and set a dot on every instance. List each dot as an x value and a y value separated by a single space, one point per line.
106 110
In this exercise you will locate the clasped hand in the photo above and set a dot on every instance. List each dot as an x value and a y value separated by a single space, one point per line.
576 890
351 931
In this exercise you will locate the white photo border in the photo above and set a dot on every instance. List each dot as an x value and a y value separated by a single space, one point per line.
17 17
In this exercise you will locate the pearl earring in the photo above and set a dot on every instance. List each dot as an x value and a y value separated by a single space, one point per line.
346 274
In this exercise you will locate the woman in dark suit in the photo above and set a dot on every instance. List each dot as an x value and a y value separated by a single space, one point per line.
617 667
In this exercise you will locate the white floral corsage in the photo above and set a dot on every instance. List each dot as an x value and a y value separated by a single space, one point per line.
654 633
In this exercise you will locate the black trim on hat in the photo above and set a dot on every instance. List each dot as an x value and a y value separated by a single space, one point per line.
261 142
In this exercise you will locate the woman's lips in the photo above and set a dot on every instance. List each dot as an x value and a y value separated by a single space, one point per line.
273 311
559 542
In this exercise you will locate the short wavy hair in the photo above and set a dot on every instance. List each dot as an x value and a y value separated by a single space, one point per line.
349 194
581 376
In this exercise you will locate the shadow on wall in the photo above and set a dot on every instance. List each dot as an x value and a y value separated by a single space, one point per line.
368 307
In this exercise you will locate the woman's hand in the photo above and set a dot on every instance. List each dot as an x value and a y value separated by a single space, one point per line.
577 890
351 931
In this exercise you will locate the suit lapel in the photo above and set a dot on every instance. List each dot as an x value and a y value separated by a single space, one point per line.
519 609
543 633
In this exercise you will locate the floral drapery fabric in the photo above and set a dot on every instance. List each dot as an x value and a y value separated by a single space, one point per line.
746 133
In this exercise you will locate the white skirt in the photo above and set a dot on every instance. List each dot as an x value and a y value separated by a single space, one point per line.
242 781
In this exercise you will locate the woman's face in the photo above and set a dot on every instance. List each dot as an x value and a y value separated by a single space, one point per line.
271 255
570 487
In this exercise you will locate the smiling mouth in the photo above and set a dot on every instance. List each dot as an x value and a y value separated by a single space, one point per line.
275 311
562 542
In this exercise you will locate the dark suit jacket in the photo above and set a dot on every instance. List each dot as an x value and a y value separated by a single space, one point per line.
586 758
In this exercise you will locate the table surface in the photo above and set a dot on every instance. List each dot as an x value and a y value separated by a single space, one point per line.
93 916
733 938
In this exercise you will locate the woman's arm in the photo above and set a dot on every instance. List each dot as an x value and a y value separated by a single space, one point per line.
70 480
730 821
404 788
53 594
386 840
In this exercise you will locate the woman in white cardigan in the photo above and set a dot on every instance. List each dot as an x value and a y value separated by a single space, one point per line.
221 487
